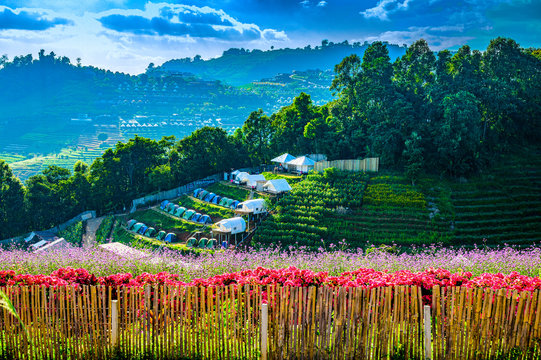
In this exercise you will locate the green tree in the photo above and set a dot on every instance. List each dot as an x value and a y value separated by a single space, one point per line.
257 132
12 209
414 157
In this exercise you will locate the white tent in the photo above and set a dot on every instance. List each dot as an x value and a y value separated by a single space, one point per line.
233 225
284 158
302 164
277 186
242 177
256 206
235 173
251 180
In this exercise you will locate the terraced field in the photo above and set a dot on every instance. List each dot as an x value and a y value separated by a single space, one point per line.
502 207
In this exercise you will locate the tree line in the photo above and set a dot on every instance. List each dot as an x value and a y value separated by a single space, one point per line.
449 113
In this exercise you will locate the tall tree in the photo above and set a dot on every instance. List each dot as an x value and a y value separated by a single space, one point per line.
12 209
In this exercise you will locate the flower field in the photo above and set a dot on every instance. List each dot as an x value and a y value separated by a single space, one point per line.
333 261
291 276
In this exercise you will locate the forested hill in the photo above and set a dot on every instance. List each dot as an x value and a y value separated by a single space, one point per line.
240 66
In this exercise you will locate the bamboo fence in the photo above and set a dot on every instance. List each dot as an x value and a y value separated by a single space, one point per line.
169 322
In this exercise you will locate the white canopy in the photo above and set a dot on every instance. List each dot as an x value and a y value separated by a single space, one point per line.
235 173
277 186
252 180
233 225
256 206
302 161
284 158
242 176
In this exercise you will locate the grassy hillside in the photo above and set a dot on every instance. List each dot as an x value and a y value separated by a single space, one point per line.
503 206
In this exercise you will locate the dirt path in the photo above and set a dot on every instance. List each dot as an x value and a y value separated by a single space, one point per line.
92 225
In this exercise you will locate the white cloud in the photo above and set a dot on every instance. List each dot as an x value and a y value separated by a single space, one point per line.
305 3
97 45
384 8
436 42
321 4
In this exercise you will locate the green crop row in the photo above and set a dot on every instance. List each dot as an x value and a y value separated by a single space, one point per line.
73 233
232 192
104 229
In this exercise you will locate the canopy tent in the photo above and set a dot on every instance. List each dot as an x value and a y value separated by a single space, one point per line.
277 186
131 223
209 197
234 204
229 202
195 217
179 211
233 225
251 180
169 206
205 219
202 194
202 243
164 204
223 202
283 159
161 235
196 192
242 177
171 237
235 173
302 164
191 242
137 226
211 244
256 206
150 232
188 214
142 229
216 199
173 209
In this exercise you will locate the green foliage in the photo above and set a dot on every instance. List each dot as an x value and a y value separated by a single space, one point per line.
73 233
214 211
104 230
160 221
291 179
229 191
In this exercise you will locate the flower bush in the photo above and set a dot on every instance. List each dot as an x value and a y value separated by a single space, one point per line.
291 276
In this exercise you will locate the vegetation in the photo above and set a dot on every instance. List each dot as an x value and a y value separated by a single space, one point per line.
160 221
425 112
228 191
73 233
214 211
104 230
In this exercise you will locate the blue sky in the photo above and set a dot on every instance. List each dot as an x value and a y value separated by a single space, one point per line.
126 35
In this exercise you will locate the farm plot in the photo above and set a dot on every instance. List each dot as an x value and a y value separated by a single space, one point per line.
502 207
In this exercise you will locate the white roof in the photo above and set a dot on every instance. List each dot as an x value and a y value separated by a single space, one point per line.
277 185
253 179
124 250
233 225
242 176
235 173
283 158
302 160
255 206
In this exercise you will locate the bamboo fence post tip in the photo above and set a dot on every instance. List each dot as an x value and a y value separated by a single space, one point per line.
428 334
